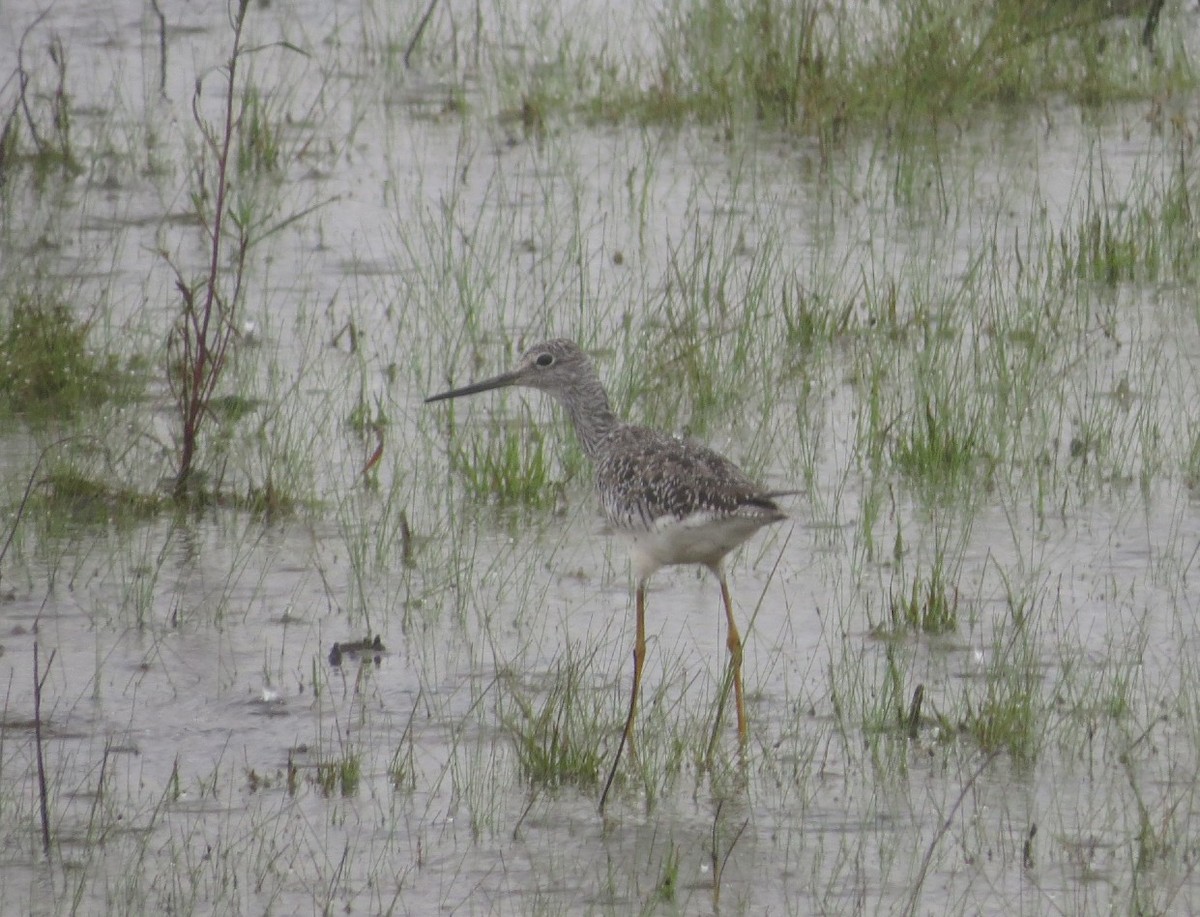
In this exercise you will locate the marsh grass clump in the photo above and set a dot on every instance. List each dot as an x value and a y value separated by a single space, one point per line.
511 469
1110 249
899 709
66 492
1008 717
941 445
341 775
881 705
48 368
924 408
930 606
1161 842
667 889
1005 719
813 319
558 739
1145 233
258 140
824 67
933 58
701 394
721 55
367 418
268 500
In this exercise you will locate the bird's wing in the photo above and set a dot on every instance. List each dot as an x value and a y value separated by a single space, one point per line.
643 476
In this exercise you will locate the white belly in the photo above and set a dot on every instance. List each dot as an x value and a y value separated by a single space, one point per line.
702 538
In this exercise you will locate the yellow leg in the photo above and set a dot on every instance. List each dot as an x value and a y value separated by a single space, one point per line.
734 643
639 657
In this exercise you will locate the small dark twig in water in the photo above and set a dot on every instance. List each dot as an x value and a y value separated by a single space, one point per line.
162 47
412 45
718 866
406 538
1151 24
98 799
620 746
351 331
23 82
39 681
516 833
5 138
377 454
914 711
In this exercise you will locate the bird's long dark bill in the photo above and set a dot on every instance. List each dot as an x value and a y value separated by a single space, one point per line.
486 385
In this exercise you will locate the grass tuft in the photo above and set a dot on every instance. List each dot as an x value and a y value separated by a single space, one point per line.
69 493
513 469
558 739
341 775
1008 716
822 68
258 140
929 607
47 367
941 445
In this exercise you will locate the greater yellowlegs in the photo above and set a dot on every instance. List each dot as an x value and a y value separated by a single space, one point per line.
677 502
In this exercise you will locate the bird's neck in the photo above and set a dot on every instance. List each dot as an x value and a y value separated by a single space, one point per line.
592 418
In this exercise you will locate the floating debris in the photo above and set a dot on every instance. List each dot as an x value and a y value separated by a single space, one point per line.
354 648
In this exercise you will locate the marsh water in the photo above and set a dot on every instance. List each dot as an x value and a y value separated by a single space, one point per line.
202 753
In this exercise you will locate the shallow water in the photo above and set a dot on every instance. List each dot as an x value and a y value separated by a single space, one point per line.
188 657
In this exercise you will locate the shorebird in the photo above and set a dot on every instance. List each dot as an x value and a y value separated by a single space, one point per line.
676 501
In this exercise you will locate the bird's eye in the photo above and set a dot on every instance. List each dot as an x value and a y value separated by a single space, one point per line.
545 359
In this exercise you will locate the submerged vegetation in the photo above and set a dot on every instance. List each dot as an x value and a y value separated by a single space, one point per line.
932 262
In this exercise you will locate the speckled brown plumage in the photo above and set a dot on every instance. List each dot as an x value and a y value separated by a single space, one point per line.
678 502
643 476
